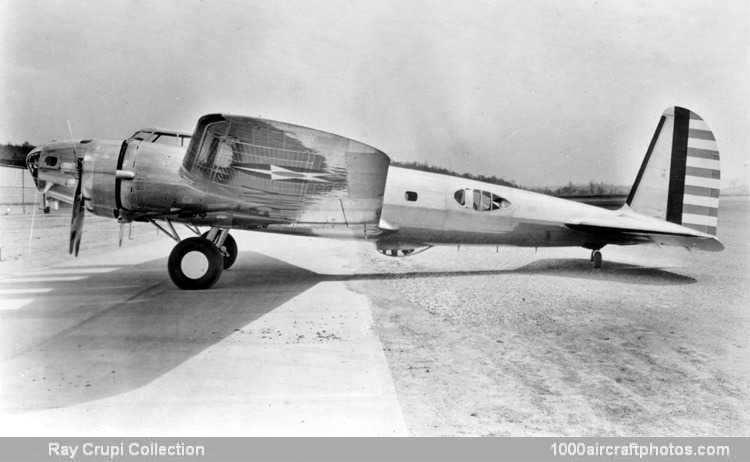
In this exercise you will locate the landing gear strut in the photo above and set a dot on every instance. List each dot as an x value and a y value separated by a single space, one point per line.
228 248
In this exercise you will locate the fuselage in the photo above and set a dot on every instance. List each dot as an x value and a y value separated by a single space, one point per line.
424 208
419 208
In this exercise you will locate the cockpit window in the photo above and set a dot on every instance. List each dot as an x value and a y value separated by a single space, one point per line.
170 139
481 201
158 137
50 161
142 136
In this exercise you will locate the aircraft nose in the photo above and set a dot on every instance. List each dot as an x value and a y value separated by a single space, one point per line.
32 163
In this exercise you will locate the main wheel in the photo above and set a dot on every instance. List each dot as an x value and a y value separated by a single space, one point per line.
195 264
596 257
228 251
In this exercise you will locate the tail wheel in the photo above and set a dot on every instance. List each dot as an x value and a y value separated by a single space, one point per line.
228 251
596 257
195 264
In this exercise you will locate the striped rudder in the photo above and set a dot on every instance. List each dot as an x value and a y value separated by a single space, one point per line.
679 178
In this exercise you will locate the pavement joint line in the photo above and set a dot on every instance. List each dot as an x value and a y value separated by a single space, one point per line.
70 271
15 304
42 279
24 291
85 321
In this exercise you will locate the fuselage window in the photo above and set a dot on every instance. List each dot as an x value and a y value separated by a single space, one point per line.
410 196
481 201
459 196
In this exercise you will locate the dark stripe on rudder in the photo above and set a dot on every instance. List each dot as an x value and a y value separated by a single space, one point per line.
701 191
703 172
702 228
678 165
703 153
701 135
700 210
645 160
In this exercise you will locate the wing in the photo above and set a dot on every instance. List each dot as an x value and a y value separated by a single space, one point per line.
288 173
629 227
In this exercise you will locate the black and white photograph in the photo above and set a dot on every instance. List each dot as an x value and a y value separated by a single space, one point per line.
382 218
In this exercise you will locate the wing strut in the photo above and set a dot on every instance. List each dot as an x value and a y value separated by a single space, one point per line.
171 232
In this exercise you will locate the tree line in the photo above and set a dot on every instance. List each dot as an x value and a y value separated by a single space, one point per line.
569 190
14 155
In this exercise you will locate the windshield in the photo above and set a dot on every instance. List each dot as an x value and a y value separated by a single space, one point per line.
162 137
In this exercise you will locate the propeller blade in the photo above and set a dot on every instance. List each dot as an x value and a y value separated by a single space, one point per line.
79 209
76 221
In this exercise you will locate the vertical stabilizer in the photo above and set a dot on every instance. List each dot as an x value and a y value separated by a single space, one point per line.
679 178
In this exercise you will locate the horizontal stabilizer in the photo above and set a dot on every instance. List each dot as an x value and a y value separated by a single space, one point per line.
632 229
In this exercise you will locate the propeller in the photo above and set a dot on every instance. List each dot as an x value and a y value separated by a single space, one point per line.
79 209
76 221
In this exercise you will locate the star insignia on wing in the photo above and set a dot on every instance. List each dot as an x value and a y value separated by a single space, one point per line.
280 174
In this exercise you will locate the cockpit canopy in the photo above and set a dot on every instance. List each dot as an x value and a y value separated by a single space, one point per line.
160 136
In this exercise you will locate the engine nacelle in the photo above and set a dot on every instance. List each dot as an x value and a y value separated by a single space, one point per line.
54 165
138 177
98 180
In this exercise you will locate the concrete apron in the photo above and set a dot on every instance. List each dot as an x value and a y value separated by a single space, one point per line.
278 347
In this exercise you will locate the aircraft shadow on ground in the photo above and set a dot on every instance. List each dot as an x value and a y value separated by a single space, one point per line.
571 268
579 269
153 329
156 327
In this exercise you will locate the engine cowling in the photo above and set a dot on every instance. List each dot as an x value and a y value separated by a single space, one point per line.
98 179
136 176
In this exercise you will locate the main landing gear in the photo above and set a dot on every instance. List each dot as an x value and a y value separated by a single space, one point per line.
196 263
228 247
596 258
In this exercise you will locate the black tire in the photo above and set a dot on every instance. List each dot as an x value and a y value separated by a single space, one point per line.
211 273
596 257
230 246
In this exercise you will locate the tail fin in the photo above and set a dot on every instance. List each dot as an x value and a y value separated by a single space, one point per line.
679 178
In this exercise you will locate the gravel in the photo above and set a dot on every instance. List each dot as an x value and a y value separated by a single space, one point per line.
518 342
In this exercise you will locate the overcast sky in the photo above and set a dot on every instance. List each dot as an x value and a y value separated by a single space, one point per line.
539 92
